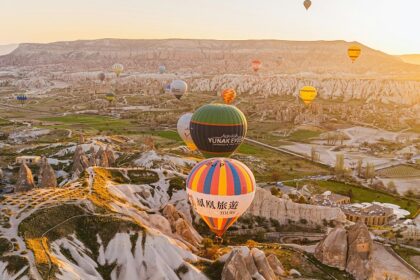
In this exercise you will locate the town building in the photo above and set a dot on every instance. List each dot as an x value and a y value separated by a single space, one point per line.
29 160
329 199
371 214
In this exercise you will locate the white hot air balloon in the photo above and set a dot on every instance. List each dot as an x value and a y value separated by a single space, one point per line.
183 127
179 88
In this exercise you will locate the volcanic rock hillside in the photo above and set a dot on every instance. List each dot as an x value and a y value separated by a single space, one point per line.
210 56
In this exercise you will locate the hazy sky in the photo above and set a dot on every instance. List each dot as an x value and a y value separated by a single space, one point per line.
389 25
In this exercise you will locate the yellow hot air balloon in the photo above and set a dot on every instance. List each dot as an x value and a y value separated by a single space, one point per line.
307 94
354 52
118 69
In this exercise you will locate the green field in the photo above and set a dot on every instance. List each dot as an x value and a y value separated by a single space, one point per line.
303 135
361 194
399 171
407 254
92 122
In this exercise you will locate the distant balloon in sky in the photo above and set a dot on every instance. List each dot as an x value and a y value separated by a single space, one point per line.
307 94
354 52
228 95
101 76
220 191
118 69
162 69
168 88
218 129
307 4
179 88
183 128
256 65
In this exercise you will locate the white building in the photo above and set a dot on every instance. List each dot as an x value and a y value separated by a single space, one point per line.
29 160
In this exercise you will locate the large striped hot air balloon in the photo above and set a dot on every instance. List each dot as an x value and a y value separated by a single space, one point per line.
220 190
354 52
307 94
118 69
228 95
256 65
183 127
218 129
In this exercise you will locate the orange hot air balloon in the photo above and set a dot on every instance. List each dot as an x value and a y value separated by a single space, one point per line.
220 191
308 94
228 95
256 65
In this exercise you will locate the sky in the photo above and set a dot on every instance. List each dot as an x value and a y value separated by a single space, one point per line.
388 25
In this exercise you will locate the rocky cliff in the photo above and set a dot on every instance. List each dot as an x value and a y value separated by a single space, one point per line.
282 210
25 180
348 250
209 56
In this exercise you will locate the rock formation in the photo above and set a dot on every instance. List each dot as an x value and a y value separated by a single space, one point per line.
110 154
1 174
92 157
276 265
102 158
25 179
242 263
262 264
80 161
359 251
271 207
181 226
332 250
348 250
46 178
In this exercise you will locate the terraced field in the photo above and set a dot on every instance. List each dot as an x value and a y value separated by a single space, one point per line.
399 171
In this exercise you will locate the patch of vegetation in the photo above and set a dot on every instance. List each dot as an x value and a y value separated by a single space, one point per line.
106 270
15 264
213 270
142 176
5 246
181 270
176 184
303 135
399 171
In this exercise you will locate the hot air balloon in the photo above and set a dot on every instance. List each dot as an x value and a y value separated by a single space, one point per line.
307 4
220 191
21 98
118 69
307 94
228 95
101 76
179 88
110 97
256 65
183 127
162 69
354 52
218 129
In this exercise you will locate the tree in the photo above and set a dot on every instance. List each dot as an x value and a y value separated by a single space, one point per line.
370 171
339 164
359 167
391 187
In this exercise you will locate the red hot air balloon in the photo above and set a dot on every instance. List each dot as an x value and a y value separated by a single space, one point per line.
256 65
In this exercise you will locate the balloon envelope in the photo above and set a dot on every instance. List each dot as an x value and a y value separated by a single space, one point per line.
354 52
179 88
110 97
256 65
307 94
228 95
118 69
101 76
218 129
307 4
162 69
220 191
183 128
